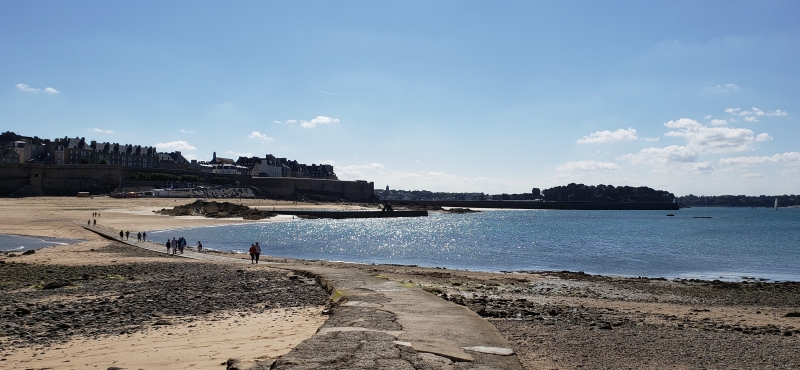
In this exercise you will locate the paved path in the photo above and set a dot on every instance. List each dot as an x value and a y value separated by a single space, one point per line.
380 324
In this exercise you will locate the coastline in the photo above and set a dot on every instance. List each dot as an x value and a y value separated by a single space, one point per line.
554 319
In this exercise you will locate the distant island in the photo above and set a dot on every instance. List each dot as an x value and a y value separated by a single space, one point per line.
739 200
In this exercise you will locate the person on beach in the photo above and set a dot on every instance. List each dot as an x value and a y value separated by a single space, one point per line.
144 236
89 223
252 252
127 235
181 244
257 251
94 222
169 246
139 237
174 246
199 246
121 234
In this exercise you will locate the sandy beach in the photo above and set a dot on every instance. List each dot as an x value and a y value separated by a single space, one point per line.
555 320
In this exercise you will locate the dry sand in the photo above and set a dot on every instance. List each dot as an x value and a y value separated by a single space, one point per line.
204 343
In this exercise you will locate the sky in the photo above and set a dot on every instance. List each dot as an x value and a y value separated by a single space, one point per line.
695 97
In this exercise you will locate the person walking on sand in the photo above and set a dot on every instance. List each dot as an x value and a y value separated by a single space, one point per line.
168 246
94 222
127 235
144 236
174 246
199 247
89 223
121 234
258 251
139 237
252 253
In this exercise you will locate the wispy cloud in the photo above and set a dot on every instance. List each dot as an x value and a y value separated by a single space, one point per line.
175 145
314 122
187 131
609 136
329 93
763 137
750 115
28 89
100 131
718 122
239 154
588 166
792 158
726 88
259 136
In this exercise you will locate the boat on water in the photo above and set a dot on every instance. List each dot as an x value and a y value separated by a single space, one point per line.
775 207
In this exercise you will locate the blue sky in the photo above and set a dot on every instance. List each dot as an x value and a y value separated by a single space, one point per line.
691 97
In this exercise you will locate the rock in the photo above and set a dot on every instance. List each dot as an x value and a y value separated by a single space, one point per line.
233 364
28 252
792 314
22 311
56 284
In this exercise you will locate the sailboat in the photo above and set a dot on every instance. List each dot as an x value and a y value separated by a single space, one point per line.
775 207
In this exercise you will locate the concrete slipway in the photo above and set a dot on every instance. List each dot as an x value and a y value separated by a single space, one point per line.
376 323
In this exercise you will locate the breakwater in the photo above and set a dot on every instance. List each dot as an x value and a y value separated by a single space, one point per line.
518 204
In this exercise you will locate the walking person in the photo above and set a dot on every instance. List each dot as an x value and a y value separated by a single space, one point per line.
174 246
139 237
258 251
168 246
89 223
199 247
144 236
252 253
127 235
121 235
94 222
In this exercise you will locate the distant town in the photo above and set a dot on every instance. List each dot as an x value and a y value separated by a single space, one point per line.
65 151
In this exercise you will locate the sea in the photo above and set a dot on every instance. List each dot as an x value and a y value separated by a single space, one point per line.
732 244
19 243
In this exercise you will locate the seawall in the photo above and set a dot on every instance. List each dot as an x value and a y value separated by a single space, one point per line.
515 204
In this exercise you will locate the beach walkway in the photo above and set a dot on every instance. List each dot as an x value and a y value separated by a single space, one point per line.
377 323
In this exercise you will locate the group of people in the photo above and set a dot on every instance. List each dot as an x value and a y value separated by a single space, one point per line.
141 236
176 246
255 251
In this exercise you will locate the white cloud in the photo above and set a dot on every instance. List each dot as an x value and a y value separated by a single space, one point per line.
777 113
314 122
100 131
733 110
28 89
329 93
187 131
703 167
175 145
792 158
672 153
763 137
587 166
609 136
718 122
259 136
750 115
753 175
239 154
319 120
702 139
751 119
723 88
371 166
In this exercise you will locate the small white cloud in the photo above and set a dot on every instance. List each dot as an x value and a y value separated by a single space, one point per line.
609 136
239 154
319 120
763 137
649 138
723 88
587 166
329 93
753 175
751 119
259 136
703 167
792 158
777 113
672 153
278 122
28 89
314 122
718 122
101 131
371 166
175 145
187 131
708 116
733 110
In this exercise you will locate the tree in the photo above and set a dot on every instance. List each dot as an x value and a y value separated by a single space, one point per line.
536 192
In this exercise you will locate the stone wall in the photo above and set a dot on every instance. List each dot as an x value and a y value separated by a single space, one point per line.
104 179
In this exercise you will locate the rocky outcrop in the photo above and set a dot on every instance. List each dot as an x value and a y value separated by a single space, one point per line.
217 210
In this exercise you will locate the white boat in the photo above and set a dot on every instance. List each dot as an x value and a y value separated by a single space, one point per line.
775 207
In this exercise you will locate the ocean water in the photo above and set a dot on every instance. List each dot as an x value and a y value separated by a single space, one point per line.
733 244
19 243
